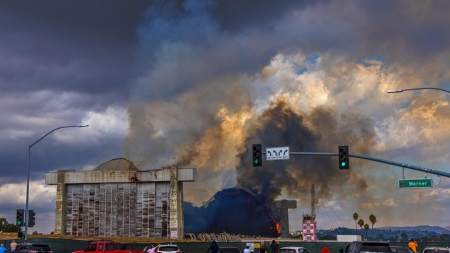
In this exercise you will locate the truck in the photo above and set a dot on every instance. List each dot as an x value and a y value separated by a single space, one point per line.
348 238
106 247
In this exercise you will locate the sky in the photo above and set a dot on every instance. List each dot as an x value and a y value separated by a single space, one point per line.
196 83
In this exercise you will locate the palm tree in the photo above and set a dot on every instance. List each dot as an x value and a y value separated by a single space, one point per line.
373 220
361 223
366 227
355 217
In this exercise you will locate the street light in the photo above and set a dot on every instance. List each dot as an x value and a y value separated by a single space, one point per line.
28 176
424 88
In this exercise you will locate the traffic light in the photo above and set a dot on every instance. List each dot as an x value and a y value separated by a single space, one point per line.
31 218
344 162
19 217
257 157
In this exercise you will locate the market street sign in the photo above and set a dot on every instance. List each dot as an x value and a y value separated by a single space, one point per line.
415 183
280 153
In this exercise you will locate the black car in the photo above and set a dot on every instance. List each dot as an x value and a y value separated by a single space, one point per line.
229 250
401 249
367 246
33 248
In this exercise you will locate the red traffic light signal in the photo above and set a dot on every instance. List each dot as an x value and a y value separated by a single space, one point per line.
257 155
344 162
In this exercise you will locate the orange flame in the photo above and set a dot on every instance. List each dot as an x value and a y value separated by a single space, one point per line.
278 227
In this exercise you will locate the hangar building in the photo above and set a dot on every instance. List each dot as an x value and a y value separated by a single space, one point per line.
117 199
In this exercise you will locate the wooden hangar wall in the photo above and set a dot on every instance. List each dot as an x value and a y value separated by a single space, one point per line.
120 203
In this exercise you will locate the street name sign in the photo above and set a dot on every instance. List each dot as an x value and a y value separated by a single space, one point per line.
279 153
415 183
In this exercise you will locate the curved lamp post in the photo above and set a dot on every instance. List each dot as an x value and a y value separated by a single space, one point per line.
28 176
424 88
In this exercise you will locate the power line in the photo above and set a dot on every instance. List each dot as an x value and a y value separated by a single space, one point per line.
333 213
328 215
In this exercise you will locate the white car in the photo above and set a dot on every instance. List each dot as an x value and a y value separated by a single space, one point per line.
168 248
293 250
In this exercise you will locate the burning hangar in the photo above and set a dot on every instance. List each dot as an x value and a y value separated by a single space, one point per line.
117 199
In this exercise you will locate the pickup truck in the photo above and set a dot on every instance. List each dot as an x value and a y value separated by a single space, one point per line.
106 247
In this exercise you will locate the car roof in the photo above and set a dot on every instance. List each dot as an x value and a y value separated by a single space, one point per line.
399 247
32 244
370 242
289 247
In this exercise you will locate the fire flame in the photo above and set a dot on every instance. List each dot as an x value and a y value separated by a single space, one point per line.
278 228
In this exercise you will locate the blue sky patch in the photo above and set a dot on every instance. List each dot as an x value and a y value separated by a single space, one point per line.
312 59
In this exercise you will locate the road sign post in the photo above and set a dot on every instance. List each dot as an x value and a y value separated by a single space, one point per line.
415 183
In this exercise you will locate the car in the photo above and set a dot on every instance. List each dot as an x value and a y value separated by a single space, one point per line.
368 246
229 250
293 250
33 247
431 249
168 248
401 249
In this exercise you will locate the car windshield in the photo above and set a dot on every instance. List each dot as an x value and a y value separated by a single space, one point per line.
168 248
376 247
287 251
435 251
40 247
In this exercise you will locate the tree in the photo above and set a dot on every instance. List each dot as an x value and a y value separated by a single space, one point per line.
355 217
380 237
404 236
361 223
366 227
7 227
373 220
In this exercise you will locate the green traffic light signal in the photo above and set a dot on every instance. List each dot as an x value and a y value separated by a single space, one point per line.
344 162
19 217
256 149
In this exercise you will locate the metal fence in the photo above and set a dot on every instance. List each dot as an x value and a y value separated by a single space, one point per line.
69 245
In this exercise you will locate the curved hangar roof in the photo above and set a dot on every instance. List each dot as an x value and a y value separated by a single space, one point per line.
117 164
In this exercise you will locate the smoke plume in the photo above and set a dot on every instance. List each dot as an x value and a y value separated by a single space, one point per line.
210 87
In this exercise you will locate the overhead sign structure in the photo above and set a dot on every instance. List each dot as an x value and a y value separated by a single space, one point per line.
415 183
279 153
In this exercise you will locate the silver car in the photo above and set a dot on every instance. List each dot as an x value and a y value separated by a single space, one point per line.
293 250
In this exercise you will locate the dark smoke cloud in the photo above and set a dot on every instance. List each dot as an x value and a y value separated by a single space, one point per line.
247 15
322 130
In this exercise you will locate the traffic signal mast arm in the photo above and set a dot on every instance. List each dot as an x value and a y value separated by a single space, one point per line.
403 165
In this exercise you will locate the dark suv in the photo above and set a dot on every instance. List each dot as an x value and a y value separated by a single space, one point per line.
33 248
366 246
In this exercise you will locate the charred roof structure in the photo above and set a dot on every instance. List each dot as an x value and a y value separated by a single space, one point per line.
235 211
